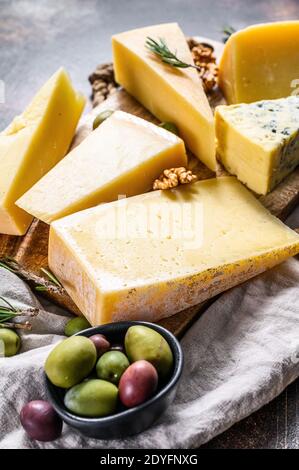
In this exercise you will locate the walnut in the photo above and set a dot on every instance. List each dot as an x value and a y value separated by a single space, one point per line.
102 83
204 57
173 177
98 98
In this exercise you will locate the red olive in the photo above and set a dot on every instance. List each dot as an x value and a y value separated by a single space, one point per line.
40 421
138 383
101 343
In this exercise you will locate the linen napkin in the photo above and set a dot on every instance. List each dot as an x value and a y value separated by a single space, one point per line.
240 354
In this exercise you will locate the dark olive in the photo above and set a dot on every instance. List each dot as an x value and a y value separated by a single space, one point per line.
40 421
138 383
101 343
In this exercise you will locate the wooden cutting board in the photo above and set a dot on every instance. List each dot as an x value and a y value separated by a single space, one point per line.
31 250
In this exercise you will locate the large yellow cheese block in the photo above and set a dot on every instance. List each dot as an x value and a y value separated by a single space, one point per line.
259 142
33 143
152 255
122 157
261 62
171 94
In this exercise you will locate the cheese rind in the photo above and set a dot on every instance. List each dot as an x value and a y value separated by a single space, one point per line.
261 62
152 255
121 158
33 143
174 95
259 142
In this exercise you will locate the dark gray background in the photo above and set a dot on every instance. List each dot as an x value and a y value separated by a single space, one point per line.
38 36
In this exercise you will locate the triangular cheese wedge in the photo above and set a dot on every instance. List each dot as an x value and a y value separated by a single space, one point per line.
121 158
171 94
33 143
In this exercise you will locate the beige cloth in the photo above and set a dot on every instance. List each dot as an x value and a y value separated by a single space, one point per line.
238 356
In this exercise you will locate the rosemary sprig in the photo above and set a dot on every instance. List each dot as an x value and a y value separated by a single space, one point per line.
8 312
10 264
40 284
161 50
51 277
227 32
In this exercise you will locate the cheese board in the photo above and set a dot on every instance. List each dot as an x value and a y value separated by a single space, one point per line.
31 250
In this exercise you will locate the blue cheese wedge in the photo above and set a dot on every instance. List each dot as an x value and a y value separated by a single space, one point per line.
259 142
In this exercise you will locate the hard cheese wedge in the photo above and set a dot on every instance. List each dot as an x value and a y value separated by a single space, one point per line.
150 256
122 157
33 143
174 95
259 142
261 62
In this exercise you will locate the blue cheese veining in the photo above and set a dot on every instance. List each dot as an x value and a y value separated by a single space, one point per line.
259 142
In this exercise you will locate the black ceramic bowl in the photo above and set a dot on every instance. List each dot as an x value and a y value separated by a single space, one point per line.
125 422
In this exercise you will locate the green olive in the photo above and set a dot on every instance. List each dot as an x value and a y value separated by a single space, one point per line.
71 361
75 325
170 126
101 118
142 342
111 366
92 398
10 341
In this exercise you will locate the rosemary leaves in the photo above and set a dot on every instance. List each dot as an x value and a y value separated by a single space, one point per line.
227 32
52 279
8 313
161 50
41 284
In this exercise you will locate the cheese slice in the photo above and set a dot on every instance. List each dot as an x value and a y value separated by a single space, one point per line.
122 157
259 142
150 256
171 94
261 62
33 143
